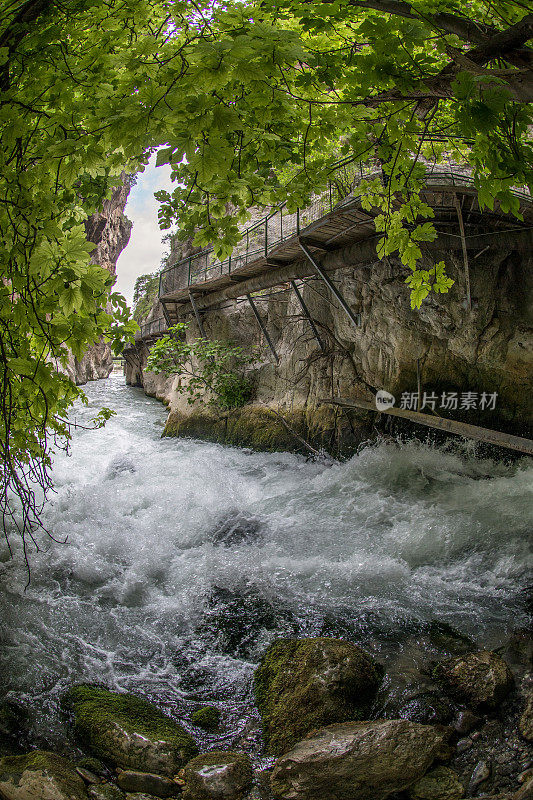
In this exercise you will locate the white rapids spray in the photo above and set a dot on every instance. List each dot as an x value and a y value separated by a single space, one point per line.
164 537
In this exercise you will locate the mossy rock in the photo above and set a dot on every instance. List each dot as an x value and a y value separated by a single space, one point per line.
207 718
127 731
93 765
13 723
441 783
480 680
303 684
40 775
105 791
218 775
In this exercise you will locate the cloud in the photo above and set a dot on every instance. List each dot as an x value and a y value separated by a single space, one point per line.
145 249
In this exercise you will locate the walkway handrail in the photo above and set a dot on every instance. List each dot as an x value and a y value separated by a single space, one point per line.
278 225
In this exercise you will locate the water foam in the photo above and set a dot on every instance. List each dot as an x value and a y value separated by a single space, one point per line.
399 535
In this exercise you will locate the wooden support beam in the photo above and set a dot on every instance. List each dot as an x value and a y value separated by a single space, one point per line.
498 438
165 312
263 328
465 252
355 318
308 315
366 251
197 315
315 243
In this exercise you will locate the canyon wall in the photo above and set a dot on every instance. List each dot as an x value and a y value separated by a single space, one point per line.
488 349
110 231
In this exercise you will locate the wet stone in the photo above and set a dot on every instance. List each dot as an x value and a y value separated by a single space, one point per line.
237 529
236 621
128 731
303 684
94 765
359 760
441 783
427 708
207 718
525 725
105 791
13 723
482 772
481 680
87 775
40 775
147 783
218 775
466 721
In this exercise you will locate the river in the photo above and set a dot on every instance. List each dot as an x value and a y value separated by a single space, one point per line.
183 559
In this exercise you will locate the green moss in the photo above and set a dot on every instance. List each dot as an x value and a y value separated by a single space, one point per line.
302 684
258 427
207 717
64 773
93 765
97 713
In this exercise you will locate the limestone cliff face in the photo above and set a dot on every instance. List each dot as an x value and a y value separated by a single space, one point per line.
110 231
486 349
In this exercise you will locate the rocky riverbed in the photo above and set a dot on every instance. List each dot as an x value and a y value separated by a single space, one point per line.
325 722
230 625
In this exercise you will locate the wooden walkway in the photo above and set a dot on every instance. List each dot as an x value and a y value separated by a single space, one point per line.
284 247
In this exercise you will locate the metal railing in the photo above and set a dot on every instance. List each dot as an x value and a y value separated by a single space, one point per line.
265 234
158 325
280 224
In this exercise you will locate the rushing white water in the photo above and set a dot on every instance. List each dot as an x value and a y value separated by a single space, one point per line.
144 596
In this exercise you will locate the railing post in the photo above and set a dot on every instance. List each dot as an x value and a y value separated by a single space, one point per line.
247 244
189 275
229 265
266 237
281 223
330 197
160 280
298 221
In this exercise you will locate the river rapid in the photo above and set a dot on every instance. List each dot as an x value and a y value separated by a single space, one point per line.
183 559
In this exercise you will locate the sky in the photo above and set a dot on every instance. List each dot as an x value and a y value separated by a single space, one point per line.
145 249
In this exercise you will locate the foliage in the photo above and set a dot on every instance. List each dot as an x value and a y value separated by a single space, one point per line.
400 86
74 94
144 294
206 367
253 103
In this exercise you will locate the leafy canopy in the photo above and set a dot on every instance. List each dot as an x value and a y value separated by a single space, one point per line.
253 103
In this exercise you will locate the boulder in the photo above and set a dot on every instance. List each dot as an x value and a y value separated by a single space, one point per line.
525 725
236 529
128 732
428 707
207 718
359 760
441 783
303 684
130 780
40 775
105 791
480 680
218 775
13 722
236 621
